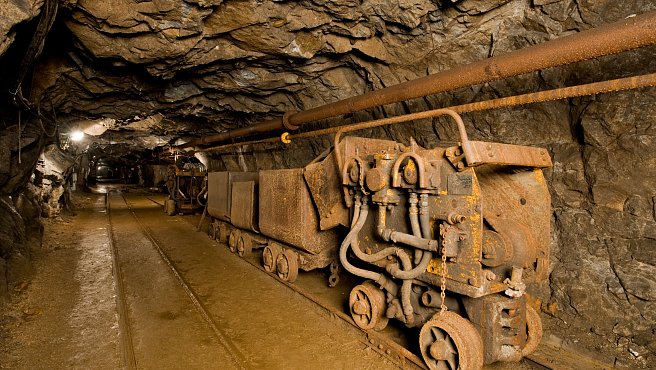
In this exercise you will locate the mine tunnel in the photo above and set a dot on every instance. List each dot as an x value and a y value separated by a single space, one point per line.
255 184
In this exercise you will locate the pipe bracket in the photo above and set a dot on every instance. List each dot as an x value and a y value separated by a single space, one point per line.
286 123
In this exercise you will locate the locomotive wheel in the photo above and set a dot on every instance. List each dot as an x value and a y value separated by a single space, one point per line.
287 265
269 258
244 245
367 305
534 331
449 341
233 239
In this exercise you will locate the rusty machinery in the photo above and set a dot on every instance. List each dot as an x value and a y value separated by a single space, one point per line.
446 238
186 183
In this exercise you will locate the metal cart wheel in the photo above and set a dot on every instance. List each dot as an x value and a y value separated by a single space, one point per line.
269 258
287 265
367 305
233 239
534 330
449 341
244 245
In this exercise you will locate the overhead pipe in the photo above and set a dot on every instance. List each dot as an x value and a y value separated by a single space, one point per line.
613 38
620 84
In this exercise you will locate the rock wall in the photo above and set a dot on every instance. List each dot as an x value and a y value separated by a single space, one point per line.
20 227
15 12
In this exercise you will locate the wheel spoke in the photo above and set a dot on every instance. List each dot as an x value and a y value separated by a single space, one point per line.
438 334
450 345
452 361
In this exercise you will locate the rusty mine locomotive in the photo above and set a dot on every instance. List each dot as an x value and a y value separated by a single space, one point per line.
446 239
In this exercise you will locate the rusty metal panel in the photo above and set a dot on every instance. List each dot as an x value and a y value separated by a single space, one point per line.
219 185
288 215
481 152
518 205
218 200
243 212
325 181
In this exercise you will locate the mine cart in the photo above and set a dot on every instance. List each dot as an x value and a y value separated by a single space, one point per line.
186 185
289 218
272 210
233 209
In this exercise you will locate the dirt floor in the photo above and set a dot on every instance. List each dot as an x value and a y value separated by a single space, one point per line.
66 316
72 313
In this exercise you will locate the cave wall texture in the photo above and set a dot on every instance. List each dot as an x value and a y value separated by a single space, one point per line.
204 66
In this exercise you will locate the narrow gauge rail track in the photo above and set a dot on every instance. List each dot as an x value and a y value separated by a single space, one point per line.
127 345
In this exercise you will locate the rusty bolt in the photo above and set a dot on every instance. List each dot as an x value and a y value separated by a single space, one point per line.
460 165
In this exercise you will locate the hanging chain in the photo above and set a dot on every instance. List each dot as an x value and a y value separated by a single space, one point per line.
443 307
443 283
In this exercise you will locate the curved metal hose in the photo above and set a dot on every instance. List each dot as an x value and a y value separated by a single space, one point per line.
343 249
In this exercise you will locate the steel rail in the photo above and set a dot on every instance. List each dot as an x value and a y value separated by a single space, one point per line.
127 343
613 38
620 84
236 355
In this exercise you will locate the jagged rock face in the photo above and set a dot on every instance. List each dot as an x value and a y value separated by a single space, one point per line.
177 68
15 12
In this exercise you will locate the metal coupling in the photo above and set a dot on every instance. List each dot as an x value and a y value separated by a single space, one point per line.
516 287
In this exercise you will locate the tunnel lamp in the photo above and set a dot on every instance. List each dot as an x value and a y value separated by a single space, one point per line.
77 135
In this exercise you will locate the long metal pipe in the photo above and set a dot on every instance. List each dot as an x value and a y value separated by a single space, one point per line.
613 38
627 83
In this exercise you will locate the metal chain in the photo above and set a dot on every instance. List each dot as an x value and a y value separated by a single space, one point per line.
443 283
443 232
